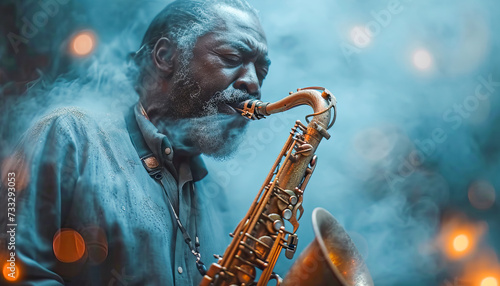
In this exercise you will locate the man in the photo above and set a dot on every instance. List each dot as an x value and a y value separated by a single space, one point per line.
103 195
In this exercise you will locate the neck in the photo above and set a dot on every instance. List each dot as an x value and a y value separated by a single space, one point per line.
180 135
177 131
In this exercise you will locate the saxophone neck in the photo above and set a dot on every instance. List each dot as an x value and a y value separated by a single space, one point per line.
320 99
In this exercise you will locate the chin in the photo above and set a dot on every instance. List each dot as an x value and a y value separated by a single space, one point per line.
219 136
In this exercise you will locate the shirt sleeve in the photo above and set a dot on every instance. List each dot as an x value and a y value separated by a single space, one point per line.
46 168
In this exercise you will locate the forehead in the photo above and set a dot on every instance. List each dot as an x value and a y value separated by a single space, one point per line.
237 19
237 25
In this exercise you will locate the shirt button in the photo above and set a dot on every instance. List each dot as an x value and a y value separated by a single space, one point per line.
168 151
179 269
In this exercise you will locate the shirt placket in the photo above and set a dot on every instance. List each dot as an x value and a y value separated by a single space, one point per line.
184 259
179 186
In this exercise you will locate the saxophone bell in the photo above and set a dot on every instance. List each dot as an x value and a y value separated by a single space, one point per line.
331 259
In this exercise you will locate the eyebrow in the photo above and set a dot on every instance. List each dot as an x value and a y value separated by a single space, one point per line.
244 48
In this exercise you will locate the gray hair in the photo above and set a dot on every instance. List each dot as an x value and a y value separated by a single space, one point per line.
183 22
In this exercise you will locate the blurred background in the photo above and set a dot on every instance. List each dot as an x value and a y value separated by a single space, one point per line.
412 169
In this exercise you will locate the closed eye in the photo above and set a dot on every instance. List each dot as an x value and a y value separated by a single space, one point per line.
231 59
262 73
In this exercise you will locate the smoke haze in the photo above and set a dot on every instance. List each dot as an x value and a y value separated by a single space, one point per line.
418 126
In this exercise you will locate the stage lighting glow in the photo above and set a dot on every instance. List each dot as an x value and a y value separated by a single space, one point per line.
83 44
489 281
481 269
360 36
422 59
68 245
459 237
461 242
481 195
8 274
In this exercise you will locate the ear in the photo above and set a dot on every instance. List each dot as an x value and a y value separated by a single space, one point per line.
164 54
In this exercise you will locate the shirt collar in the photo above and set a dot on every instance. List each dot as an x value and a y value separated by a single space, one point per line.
148 141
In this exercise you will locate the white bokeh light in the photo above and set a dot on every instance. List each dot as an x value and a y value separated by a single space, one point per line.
360 36
422 59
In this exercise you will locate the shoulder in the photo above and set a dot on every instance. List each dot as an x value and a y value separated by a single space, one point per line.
74 121
73 128
60 121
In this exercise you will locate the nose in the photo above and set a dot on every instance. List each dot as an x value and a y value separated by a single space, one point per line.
248 80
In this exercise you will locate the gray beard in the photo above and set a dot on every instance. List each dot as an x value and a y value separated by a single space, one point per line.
214 134
217 135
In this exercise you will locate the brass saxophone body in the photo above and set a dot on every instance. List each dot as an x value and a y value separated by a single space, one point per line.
262 234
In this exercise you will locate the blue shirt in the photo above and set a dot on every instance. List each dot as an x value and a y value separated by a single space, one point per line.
84 173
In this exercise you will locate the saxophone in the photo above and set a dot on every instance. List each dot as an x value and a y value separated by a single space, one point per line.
261 235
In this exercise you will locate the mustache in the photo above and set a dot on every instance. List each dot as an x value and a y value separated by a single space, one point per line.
225 102
231 97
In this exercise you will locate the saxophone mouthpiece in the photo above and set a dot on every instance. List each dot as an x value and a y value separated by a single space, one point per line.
252 109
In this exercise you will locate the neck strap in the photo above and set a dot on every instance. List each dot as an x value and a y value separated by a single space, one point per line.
157 173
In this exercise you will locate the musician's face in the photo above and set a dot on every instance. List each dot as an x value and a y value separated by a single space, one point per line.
227 66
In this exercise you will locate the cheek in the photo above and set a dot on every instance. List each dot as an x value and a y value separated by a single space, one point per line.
215 80
213 76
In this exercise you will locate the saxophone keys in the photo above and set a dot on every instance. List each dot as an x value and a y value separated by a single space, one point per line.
276 277
301 192
293 158
294 220
292 242
305 150
286 199
263 245
301 210
289 253
274 223
313 161
287 214
218 257
246 273
277 224
293 200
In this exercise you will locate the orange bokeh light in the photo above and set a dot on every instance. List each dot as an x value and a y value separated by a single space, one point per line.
489 281
83 44
461 242
68 245
8 274
482 269
459 237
